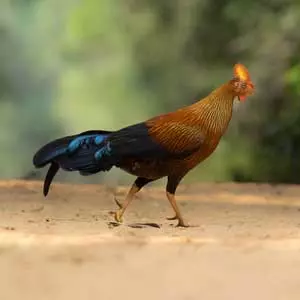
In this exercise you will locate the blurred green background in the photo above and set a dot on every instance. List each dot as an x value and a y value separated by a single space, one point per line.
73 65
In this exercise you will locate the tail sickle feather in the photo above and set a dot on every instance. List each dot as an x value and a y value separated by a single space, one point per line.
49 177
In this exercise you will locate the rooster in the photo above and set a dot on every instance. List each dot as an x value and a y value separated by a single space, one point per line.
169 145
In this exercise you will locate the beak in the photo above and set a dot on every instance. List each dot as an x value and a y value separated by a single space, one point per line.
251 85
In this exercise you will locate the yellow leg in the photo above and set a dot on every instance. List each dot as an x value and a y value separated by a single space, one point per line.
178 215
138 184
122 207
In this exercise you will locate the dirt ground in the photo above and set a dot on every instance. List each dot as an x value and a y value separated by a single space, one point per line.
244 243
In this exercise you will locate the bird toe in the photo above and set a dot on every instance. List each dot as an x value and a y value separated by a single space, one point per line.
118 203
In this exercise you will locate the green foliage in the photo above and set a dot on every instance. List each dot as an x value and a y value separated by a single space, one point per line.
75 65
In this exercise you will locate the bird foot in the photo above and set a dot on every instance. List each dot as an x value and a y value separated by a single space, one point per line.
117 215
182 224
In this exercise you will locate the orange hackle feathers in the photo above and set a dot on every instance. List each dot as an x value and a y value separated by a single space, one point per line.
241 72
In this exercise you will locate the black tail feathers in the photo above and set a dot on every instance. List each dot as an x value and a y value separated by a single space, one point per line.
49 177
72 153
51 150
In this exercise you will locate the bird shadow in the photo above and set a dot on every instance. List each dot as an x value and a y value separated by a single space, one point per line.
134 225
142 225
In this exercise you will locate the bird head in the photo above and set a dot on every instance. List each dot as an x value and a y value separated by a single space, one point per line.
242 85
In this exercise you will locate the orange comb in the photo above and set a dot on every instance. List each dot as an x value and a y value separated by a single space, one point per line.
241 72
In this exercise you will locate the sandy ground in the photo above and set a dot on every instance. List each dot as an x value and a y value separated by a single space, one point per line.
245 243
